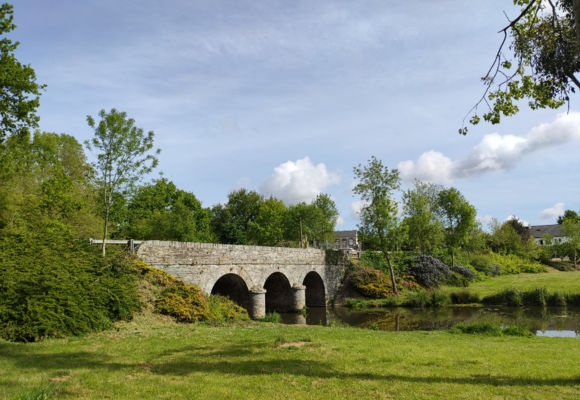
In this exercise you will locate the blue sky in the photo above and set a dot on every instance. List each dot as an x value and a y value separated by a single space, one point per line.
285 97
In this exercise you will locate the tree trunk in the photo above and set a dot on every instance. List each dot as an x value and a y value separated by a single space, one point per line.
105 231
577 20
392 274
452 258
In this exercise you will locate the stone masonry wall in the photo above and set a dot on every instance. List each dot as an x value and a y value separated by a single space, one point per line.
203 264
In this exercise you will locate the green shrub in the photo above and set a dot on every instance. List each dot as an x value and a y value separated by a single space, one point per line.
423 298
273 317
183 302
513 264
509 297
429 271
456 279
371 283
54 286
535 297
464 297
482 263
223 309
489 329
556 299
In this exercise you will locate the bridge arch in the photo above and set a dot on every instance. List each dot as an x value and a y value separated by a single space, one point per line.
279 293
315 291
234 287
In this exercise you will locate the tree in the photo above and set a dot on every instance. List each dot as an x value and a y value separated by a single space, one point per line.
45 181
161 211
571 228
568 214
543 61
376 185
268 227
19 94
123 157
231 221
458 218
421 208
323 230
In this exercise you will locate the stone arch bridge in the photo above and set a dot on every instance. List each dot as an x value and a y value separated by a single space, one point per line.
260 279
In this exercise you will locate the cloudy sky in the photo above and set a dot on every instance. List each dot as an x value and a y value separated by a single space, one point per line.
285 97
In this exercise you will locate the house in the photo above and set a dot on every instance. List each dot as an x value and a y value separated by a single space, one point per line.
344 240
539 232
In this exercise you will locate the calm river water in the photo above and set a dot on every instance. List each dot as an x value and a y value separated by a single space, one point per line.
550 321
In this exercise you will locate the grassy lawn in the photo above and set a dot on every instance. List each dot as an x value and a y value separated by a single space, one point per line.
552 280
154 360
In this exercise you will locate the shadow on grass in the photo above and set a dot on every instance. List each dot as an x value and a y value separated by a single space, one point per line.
191 359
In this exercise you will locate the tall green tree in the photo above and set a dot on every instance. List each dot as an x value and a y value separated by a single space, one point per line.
323 230
457 217
568 214
19 97
571 228
231 221
376 186
541 64
421 209
124 155
267 229
161 211
46 181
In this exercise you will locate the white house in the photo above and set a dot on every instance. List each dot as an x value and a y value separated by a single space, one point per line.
539 233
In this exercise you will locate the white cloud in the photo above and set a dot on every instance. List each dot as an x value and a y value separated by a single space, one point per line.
552 213
495 152
431 166
356 207
485 220
298 181
339 221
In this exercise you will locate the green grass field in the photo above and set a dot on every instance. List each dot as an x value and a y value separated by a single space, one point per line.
552 280
150 359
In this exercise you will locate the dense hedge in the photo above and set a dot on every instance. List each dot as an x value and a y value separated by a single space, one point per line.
54 286
429 271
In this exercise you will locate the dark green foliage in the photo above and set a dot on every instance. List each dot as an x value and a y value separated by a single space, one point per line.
482 263
464 271
160 211
183 302
573 299
54 286
429 271
510 297
490 329
535 297
19 97
423 298
273 317
556 299
464 297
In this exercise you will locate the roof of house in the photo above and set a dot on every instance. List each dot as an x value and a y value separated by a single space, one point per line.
539 231
341 234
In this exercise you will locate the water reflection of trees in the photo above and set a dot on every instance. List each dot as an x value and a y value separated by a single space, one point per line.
404 319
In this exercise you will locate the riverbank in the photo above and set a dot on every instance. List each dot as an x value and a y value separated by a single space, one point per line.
153 358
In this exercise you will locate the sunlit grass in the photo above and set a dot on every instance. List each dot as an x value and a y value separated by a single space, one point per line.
553 280
156 359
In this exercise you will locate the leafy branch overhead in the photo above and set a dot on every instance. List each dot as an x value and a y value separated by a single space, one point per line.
537 60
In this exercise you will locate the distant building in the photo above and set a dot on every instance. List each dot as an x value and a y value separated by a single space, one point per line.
344 240
539 233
